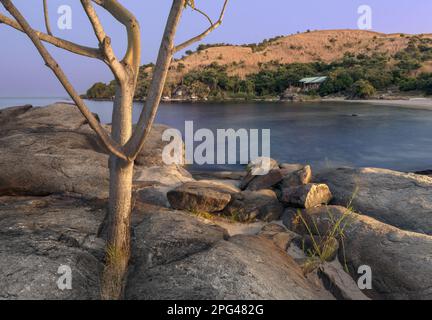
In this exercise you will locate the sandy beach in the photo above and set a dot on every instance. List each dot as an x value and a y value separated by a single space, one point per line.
413 103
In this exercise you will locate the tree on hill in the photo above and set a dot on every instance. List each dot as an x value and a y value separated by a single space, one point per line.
123 143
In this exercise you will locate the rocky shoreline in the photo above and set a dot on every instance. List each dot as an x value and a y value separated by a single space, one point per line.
291 234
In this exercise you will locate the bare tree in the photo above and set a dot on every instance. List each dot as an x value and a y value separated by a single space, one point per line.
123 144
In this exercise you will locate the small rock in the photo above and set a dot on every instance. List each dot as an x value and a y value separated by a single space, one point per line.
307 196
288 217
258 167
283 240
272 228
279 235
267 181
298 178
200 197
251 205
296 253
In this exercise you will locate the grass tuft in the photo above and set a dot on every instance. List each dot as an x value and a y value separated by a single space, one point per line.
324 245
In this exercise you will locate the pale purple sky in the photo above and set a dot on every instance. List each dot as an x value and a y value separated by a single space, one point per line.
23 74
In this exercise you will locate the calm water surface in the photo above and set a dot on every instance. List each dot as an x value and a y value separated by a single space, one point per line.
322 134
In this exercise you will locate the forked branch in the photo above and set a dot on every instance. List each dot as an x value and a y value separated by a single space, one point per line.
132 57
201 36
104 41
107 141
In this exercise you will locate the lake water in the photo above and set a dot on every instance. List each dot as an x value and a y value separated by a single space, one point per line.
322 134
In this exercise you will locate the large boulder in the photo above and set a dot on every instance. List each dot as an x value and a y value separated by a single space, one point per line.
250 205
201 197
53 150
48 153
12 112
401 199
38 235
194 261
400 260
162 236
306 196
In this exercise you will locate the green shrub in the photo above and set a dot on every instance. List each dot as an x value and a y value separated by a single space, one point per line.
362 89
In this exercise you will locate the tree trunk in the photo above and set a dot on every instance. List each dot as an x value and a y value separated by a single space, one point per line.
120 201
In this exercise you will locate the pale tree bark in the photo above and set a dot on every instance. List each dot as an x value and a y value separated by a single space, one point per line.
123 144
47 20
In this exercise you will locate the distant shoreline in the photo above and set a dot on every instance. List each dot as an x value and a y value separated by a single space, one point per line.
412 103
409 103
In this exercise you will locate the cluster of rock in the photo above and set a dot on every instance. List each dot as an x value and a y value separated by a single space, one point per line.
387 226
260 197
249 245
274 198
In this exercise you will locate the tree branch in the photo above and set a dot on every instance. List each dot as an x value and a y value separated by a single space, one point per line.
145 122
201 36
107 141
166 52
104 41
47 21
203 14
125 17
60 43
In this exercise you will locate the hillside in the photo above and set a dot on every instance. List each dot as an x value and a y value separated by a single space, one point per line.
317 52
326 46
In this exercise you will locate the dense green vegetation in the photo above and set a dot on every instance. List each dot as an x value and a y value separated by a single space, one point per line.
356 76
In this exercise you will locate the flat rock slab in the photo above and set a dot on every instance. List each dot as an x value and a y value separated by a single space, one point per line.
400 260
37 236
194 261
400 199
200 197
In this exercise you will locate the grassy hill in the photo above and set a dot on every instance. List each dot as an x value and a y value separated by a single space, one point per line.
268 68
